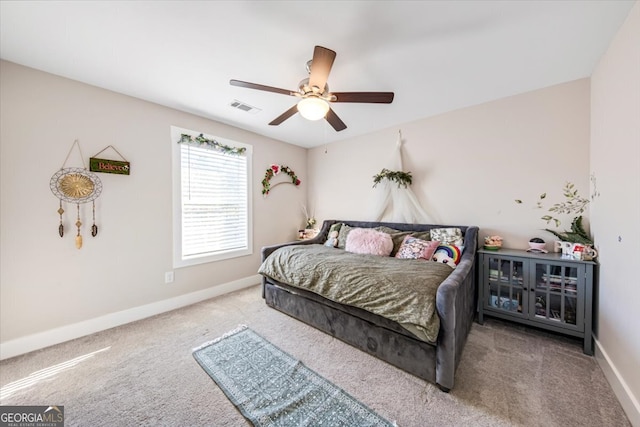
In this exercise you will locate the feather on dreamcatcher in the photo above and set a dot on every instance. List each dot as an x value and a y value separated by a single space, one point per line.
77 186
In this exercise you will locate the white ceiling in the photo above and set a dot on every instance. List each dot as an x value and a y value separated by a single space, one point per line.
436 56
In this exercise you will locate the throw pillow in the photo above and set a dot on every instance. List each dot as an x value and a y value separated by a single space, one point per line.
447 236
414 248
342 235
447 254
332 238
396 235
424 235
369 241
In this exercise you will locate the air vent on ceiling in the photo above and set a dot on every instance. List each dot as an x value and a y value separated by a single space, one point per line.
245 107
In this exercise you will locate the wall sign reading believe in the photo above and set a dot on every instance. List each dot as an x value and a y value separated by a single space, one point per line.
109 166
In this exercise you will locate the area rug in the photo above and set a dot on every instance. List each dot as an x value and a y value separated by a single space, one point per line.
271 388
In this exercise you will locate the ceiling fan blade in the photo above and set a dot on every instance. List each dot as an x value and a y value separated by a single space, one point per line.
321 66
367 97
284 116
335 121
261 87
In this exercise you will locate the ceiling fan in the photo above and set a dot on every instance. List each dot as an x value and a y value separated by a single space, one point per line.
315 95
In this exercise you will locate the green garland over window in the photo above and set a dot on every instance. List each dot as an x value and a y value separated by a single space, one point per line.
399 177
211 143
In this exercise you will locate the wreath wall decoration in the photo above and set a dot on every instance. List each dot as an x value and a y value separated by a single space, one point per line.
276 170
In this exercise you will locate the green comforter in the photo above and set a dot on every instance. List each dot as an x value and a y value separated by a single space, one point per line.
402 290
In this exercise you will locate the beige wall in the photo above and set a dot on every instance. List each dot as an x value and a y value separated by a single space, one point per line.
45 282
520 147
615 162
470 165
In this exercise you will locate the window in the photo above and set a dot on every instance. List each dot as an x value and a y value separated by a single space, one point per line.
211 198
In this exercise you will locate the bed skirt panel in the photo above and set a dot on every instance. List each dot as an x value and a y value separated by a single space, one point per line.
409 354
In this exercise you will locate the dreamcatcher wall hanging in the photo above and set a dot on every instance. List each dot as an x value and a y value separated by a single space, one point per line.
76 186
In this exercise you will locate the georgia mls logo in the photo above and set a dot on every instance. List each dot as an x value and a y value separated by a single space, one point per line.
57 412
31 416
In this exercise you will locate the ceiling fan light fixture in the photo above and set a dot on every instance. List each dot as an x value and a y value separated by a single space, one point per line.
314 95
313 108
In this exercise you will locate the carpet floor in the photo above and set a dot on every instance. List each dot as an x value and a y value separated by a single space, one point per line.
143 374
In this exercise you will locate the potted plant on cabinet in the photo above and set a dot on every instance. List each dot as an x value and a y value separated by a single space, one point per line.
577 236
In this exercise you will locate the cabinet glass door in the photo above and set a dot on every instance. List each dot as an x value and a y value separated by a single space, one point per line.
556 294
506 280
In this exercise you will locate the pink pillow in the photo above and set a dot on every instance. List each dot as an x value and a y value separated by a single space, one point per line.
414 248
369 241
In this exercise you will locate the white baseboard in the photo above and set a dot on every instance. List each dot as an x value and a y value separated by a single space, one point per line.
51 337
619 386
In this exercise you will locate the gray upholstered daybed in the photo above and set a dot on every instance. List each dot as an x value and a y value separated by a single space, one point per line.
433 357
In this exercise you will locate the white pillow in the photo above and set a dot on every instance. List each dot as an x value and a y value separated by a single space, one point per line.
448 236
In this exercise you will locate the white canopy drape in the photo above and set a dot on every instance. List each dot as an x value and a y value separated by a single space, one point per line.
396 203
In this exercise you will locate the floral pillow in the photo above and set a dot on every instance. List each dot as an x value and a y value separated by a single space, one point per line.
332 238
448 236
398 236
414 248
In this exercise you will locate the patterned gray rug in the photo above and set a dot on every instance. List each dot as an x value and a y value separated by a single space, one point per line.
271 388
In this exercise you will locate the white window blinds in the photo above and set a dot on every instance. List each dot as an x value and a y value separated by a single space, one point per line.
214 204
